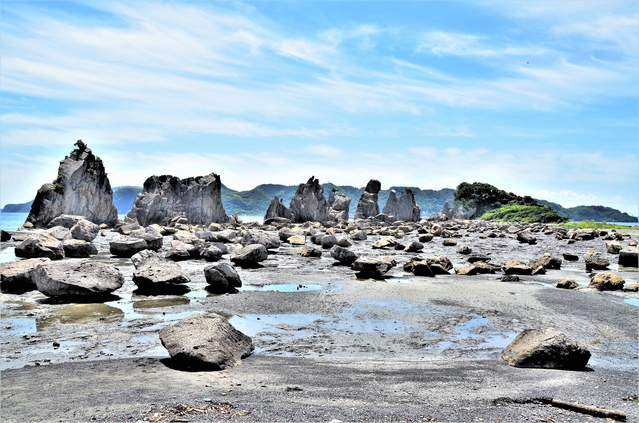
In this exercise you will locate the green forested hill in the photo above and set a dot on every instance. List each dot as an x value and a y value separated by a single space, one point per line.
594 213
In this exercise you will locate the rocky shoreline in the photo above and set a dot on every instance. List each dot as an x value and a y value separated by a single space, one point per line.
395 346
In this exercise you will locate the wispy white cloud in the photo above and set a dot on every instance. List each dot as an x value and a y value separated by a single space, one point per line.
459 44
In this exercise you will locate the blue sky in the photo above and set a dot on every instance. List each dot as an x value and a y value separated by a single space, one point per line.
535 97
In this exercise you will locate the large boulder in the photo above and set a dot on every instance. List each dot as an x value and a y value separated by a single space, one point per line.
343 255
269 240
165 197
277 209
153 238
60 233
309 204
81 188
16 277
76 248
369 267
123 246
594 260
607 281
40 244
403 208
182 251
629 257
339 206
367 205
205 341
77 279
155 274
85 230
545 348
222 278
250 255
517 267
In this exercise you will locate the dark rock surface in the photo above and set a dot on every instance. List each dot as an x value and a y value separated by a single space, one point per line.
545 348
309 204
277 209
164 197
367 205
154 274
250 255
222 278
205 341
81 188
40 244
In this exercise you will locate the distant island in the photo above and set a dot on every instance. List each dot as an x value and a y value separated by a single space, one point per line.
256 201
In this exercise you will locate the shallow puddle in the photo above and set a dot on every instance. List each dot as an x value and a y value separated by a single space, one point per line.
632 301
17 326
8 255
81 313
165 302
287 287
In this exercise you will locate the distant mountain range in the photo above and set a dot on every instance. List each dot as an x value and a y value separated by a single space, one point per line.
255 201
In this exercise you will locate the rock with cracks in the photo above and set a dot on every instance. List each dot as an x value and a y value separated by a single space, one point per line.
72 279
40 244
367 205
222 278
81 188
205 341
17 276
166 197
545 348
155 274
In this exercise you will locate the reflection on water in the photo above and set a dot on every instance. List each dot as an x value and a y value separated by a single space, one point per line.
18 326
165 302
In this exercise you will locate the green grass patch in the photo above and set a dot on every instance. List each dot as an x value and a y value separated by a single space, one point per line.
590 224
524 214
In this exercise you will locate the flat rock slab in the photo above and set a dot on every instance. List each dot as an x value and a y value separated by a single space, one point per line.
77 279
545 348
205 341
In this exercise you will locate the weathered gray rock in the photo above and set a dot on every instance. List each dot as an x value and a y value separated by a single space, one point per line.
211 253
165 197
76 248
269 240
449 242
458 212
344 241
309 204
629 257
16 277
77 279
153 238
414 246
369 267
226 235
81 188
339 206
222 278
297 240
613 247
343 255
367 205
359 235
464 249
155 274
285 233
65 220
384 242
594 260
250 255
403 208
545 348
85 230
328 241
126 247
60 233
40 244
205 341
277 209
182 251
526 237
607 281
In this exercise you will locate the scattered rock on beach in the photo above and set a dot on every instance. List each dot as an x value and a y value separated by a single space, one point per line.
629 257
157 275
75 248
375 268
222 278
594 260
249 255
77 279
126 247
566 283
545 348
607 281
343 255
40 244
17 276
205 341
516 267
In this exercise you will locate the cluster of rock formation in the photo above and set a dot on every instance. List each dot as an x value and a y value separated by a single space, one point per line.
81 188
198 199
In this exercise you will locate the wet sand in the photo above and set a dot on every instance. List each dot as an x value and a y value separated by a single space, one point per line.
328 345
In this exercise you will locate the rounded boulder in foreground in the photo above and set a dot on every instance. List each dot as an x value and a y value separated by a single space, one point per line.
205 341
545 348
